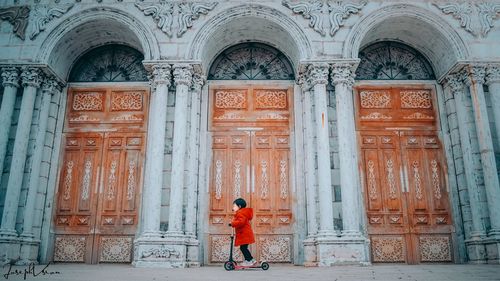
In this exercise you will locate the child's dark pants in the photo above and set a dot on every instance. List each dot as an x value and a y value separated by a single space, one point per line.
246 253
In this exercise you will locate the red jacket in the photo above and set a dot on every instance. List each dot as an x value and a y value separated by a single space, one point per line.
241 224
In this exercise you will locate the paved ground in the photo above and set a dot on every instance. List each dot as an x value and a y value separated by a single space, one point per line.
82 272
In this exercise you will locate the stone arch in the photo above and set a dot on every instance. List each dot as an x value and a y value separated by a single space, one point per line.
245 23
411 25
77 34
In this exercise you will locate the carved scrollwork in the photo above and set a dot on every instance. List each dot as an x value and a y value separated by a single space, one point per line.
46 15
18 17
185 13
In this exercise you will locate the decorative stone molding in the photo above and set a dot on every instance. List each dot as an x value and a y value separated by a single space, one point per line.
10 77
315 11
343 74
160 74
45 15
317 73
183 74
492 74
31 77
477 19
18 17
474 74
185 13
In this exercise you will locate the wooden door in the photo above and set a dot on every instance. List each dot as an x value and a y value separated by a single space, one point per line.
251 159
101 175
403 170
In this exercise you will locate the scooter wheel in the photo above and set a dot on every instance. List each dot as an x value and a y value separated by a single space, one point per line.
264 266
228 266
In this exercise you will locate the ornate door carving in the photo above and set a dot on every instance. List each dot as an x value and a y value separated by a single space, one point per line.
404 179
101 176
251 159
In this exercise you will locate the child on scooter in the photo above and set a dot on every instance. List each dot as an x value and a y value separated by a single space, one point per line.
244 233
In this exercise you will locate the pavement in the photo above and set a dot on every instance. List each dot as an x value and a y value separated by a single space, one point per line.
386 272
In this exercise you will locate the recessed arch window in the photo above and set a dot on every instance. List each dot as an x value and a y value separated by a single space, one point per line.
393 61
251 61
109 63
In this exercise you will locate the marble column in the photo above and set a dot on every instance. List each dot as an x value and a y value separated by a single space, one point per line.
10 82
31 82
318 78
493 82
153 174
192 163
29 247
475 78
182 78
310 174
475 247
343 79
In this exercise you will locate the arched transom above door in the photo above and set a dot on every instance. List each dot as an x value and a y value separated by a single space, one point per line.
251 61
393 61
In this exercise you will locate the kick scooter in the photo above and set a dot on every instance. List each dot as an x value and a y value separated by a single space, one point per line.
231 264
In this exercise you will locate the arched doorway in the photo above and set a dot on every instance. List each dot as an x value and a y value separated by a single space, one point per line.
250 122
403 164
104 139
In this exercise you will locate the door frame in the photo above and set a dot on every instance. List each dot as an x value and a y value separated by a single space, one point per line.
296 151
442 131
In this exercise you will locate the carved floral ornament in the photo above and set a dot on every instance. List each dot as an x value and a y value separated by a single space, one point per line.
316 11
183 12
475 18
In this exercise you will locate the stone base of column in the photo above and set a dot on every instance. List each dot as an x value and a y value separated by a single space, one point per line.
193 252
492 245
29 251
10 249
476 250
343 250
163 251
310 254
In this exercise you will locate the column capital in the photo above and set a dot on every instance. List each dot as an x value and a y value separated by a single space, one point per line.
493 74
317 73
10 77
198 80
456 83
50 86
183 74
474 74
31 77
302 81
160 74
342 73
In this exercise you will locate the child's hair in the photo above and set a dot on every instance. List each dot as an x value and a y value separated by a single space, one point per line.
240 202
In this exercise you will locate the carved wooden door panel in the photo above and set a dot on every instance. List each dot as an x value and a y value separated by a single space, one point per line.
119 195
101 174
271 195
403 174
427 195
251 159
230 179
77 197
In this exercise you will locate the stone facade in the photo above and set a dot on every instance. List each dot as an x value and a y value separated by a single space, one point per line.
40 43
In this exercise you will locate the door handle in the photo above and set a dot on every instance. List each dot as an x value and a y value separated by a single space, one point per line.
253 178
248 178
406 187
